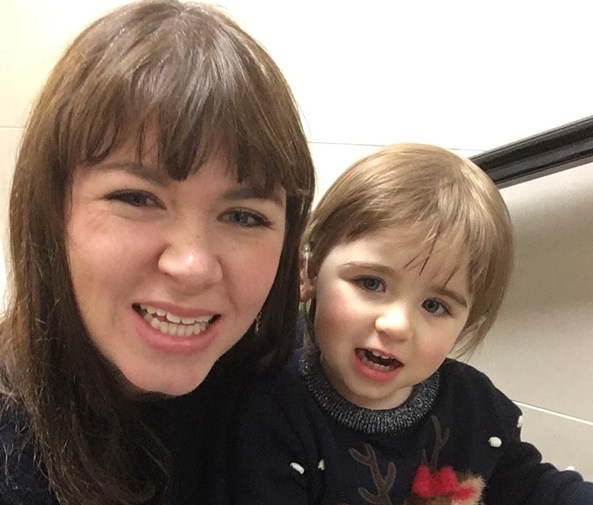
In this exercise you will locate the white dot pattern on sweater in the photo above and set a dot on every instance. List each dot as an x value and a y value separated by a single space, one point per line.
297 468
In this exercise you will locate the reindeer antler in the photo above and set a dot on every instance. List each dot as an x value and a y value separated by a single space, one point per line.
383 483
441 438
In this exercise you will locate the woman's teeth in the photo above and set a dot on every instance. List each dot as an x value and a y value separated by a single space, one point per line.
170 324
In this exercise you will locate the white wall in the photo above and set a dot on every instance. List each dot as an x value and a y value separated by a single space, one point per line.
540 350
465 75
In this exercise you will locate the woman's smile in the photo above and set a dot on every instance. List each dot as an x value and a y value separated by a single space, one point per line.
169 275
171 324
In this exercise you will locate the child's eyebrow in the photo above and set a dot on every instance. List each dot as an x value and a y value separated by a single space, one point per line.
385 270
460 299
382 269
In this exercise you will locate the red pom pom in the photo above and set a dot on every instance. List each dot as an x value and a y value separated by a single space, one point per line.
464 493
428 485
446 480
422 483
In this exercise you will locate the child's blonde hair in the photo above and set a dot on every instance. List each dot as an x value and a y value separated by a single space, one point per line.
432 191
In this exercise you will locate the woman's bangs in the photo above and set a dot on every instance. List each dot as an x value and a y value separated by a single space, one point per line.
191 105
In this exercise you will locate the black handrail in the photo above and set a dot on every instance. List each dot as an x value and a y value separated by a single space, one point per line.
554 150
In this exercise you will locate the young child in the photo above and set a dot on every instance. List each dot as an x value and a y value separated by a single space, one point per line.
405 259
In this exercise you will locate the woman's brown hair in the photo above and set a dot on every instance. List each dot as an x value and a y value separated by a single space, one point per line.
190 76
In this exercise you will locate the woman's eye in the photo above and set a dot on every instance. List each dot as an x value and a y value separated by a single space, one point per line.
246 218
434 307
134 198
370 283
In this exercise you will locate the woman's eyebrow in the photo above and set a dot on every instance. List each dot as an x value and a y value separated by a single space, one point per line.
147 172
248 191
243 191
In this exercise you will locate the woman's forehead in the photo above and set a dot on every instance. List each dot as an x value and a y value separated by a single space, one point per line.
144 151
143 159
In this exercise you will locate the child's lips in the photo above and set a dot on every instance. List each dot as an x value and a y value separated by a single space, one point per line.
378 360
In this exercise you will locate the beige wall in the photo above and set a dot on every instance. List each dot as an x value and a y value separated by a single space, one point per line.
540 351
461 74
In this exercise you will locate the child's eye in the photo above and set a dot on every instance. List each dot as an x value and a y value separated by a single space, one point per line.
434 307
136 198
370 284
246 218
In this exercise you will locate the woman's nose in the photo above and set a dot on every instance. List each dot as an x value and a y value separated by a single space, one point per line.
394 322
191 260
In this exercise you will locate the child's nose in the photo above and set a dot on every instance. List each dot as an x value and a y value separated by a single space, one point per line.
394 322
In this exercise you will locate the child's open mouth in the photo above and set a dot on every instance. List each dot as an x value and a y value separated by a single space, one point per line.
377 360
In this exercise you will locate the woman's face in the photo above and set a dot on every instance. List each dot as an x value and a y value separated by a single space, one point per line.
169 275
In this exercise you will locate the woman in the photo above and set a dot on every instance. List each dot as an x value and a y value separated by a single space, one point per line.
158 197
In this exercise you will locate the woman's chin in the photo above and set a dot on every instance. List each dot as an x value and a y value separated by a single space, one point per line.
161 387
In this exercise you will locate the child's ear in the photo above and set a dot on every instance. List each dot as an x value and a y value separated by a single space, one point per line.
307 289
307 285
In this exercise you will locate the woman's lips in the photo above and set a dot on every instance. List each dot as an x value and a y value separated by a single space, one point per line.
168 323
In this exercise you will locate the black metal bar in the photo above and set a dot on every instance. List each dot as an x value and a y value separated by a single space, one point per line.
551 151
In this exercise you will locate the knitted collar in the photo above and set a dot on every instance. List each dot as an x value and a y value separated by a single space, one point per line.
360 419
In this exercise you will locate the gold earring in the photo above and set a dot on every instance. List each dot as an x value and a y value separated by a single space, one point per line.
257 324
306 254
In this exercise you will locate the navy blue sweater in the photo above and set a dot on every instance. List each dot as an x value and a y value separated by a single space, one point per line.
455 441
181 424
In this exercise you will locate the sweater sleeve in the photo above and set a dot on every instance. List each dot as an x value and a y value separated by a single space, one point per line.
521 478
270 460
561 488
21 480
517 475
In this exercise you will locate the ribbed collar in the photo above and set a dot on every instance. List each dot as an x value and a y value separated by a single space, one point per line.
361 419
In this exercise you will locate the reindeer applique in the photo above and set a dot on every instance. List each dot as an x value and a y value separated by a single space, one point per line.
384 483
443 486
431 485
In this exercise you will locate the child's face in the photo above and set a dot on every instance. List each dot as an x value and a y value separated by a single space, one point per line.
385 318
